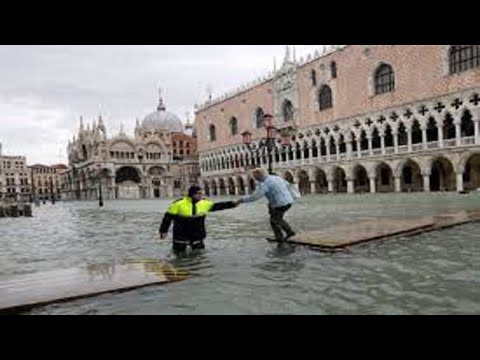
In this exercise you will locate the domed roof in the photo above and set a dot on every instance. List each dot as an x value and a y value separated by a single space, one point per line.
162 120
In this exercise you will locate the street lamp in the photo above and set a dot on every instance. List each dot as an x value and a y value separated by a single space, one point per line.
286 134
51 192
100 196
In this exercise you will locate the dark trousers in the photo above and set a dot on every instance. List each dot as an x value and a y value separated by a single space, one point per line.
181 246
278 223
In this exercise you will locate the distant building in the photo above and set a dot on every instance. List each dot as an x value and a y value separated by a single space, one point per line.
46 181
160 160
14 178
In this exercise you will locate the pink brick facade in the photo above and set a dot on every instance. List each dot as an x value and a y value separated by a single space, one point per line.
421 72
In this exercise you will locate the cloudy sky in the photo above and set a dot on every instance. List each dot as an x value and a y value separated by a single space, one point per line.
45 89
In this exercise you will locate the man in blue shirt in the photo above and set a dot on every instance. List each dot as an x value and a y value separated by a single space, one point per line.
280 194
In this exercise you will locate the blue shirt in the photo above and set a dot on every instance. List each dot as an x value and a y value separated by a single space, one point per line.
278 191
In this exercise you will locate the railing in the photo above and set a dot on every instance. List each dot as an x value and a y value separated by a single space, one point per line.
468 140
417 147
432 145
389 150
403 149
450 142
377 151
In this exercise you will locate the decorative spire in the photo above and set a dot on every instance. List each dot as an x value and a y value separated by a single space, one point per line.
100 121
189 124
122 131
287 54
209 92
274 64
294 57
81 123
161 106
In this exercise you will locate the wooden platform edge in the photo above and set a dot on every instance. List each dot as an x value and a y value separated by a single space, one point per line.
18 309
440 227
406 233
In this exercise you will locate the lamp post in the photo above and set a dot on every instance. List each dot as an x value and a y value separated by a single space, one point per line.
100 195
51 192
286 134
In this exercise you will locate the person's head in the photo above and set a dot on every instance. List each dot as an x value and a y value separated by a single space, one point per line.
195 192
259 174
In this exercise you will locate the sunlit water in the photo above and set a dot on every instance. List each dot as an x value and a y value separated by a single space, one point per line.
241 273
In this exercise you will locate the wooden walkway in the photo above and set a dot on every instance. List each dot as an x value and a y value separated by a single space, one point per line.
23 292
340 236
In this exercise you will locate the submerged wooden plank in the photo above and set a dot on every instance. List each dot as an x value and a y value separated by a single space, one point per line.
342 235
354 233
26 291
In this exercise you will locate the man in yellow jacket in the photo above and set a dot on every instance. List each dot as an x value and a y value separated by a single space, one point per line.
188 215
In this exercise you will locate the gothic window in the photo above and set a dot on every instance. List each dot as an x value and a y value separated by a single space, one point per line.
213 133
233 126
463 57
259 117
333 69
384 79
313 76
287 111
325 98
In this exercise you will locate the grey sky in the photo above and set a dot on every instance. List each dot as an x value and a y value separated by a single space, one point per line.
45 89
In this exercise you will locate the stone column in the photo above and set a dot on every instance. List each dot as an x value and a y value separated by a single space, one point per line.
330 185
458 132
313 186
440 134
460 182
424 139
327 145
395 141
382 143
359 149
370 148
373 184
237 190
409 137
475 123
350 186
349 150
398 187
426 183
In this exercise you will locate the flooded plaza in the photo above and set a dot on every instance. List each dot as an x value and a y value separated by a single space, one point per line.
241 273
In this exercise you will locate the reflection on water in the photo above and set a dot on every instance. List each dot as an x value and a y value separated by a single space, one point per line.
159 268
100 271
241 273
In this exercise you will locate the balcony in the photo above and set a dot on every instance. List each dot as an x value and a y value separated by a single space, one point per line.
450 143
468 140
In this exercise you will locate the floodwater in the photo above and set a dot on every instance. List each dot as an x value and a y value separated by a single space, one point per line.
241 273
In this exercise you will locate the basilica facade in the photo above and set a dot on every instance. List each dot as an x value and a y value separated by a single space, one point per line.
367 118
159 161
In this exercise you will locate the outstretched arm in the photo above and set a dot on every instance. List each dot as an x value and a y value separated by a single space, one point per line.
257 195
225 205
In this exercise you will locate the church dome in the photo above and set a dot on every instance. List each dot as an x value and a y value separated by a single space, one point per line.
162 120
